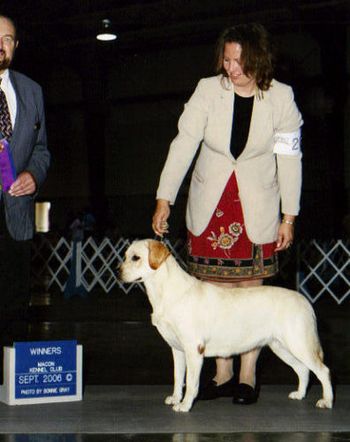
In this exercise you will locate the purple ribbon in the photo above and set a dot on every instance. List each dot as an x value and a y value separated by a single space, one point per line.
7 168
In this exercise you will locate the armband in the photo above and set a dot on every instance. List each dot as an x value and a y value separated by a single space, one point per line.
287 143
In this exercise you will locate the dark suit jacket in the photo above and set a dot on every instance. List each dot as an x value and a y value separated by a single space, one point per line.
29 150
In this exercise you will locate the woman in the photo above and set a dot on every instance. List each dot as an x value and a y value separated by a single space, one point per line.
247 171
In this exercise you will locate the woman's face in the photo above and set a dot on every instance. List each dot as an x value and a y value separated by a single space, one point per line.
233 67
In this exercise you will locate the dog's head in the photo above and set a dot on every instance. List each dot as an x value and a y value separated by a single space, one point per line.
142 259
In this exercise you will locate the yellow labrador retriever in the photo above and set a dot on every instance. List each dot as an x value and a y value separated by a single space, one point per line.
199 319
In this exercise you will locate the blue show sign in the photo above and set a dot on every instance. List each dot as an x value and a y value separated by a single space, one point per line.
45 369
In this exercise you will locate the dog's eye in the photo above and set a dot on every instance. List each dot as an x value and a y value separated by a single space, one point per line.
135 258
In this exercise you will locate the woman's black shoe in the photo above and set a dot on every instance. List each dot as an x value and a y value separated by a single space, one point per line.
244 394
213 391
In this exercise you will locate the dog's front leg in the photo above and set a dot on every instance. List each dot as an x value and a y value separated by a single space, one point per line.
179 376
194 362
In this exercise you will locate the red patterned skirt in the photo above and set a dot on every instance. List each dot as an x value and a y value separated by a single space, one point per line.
223 252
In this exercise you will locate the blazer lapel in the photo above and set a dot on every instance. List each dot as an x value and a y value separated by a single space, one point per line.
259 125
19 112
226 116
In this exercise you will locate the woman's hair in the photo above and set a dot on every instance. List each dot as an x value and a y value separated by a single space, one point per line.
256 57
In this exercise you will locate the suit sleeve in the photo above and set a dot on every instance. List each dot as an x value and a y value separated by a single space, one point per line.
183 148
288 153
39 161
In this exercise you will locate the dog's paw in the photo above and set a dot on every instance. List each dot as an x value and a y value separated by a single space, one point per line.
296 395
324 403
182 407
172 400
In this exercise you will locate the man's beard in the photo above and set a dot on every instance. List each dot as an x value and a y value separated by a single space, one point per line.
5 62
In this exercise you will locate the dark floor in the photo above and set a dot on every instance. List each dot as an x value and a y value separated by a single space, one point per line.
181 437
140 409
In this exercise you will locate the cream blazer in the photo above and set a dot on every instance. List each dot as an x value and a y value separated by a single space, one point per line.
268 182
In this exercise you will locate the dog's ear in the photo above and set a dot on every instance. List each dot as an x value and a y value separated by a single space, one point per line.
158 253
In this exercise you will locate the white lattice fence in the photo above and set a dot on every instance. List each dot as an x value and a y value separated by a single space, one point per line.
99 263
323 267
91 264
51 260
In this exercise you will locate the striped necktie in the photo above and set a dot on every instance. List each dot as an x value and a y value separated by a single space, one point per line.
5 119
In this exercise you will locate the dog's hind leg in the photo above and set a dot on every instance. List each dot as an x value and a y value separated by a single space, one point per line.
312 358
194 362
300 369
323 374
179 376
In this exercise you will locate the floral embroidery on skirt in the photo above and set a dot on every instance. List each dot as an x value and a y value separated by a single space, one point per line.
223 252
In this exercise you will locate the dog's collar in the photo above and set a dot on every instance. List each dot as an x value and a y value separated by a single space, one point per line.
159 238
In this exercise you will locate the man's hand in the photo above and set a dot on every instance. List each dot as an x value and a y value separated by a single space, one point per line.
24 185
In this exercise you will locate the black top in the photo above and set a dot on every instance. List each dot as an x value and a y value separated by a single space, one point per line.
242 114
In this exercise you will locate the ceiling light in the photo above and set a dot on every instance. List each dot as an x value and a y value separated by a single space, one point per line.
106 33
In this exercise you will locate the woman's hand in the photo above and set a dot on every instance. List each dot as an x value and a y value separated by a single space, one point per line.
285 233
160 217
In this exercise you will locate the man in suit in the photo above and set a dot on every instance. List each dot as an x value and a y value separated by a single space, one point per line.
23 109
